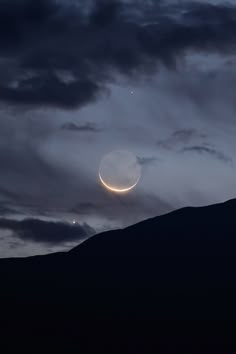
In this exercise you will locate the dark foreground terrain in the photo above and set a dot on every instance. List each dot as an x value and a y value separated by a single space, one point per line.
166 285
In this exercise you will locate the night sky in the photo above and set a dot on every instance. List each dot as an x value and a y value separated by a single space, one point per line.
82 78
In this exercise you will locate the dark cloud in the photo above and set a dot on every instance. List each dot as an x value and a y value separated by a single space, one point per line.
46 231
7 194
58 54
87 127
210 151
183 136
5 210
192 141
145 161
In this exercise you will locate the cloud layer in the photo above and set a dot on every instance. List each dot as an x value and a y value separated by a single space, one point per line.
48 232
63 55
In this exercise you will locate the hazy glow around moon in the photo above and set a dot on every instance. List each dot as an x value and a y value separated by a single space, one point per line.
119 171
113 189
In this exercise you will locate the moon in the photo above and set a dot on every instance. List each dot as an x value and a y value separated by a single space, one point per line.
119 171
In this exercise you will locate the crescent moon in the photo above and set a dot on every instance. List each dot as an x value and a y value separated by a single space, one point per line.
113 189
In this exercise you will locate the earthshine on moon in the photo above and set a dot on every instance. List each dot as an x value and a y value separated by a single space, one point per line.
119 171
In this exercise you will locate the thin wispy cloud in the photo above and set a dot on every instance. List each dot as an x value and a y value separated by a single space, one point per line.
202 150
86 127
181 137
146 161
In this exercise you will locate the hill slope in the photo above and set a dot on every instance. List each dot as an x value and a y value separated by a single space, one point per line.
165 285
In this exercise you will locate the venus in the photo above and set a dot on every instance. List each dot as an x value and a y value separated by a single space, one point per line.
119 171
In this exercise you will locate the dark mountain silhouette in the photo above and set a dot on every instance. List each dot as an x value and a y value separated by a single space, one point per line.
165 285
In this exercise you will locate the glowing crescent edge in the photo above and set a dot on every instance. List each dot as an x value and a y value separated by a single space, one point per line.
115 189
